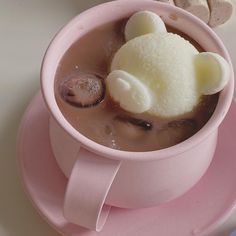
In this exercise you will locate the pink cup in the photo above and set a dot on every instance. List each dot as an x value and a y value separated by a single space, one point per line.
100 177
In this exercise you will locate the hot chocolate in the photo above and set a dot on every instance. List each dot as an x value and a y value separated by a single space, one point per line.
84 100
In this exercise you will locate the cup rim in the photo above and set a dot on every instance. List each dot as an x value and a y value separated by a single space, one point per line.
221 110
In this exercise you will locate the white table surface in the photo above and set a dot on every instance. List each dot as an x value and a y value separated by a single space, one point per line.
26 28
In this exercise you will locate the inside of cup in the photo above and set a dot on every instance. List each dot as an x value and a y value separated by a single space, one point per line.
102 14
112 11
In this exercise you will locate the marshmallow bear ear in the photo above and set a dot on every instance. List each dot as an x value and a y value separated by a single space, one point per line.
212 71
143 22
128 91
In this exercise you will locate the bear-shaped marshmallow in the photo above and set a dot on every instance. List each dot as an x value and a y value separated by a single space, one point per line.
161 73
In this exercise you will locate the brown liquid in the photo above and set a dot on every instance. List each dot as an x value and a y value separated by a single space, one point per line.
106 123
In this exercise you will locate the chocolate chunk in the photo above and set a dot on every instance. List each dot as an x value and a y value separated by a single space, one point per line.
176 131
183 123
83 90
145 125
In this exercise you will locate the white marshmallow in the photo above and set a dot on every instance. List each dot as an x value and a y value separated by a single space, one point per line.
129 92
213 72
143 22
165 64
162 73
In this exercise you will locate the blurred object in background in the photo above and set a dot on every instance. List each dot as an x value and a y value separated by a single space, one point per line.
212 12
233 233
168 1
198 8
221 11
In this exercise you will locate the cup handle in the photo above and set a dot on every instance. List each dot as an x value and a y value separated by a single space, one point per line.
89 183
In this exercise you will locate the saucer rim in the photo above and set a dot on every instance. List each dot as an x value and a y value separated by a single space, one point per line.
23 180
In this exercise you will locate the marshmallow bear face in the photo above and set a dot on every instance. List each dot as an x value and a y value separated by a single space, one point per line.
162 73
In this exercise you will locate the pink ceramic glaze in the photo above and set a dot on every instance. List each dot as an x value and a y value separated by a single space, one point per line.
198 212
119 178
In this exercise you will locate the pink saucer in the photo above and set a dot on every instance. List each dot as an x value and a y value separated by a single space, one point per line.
198 212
